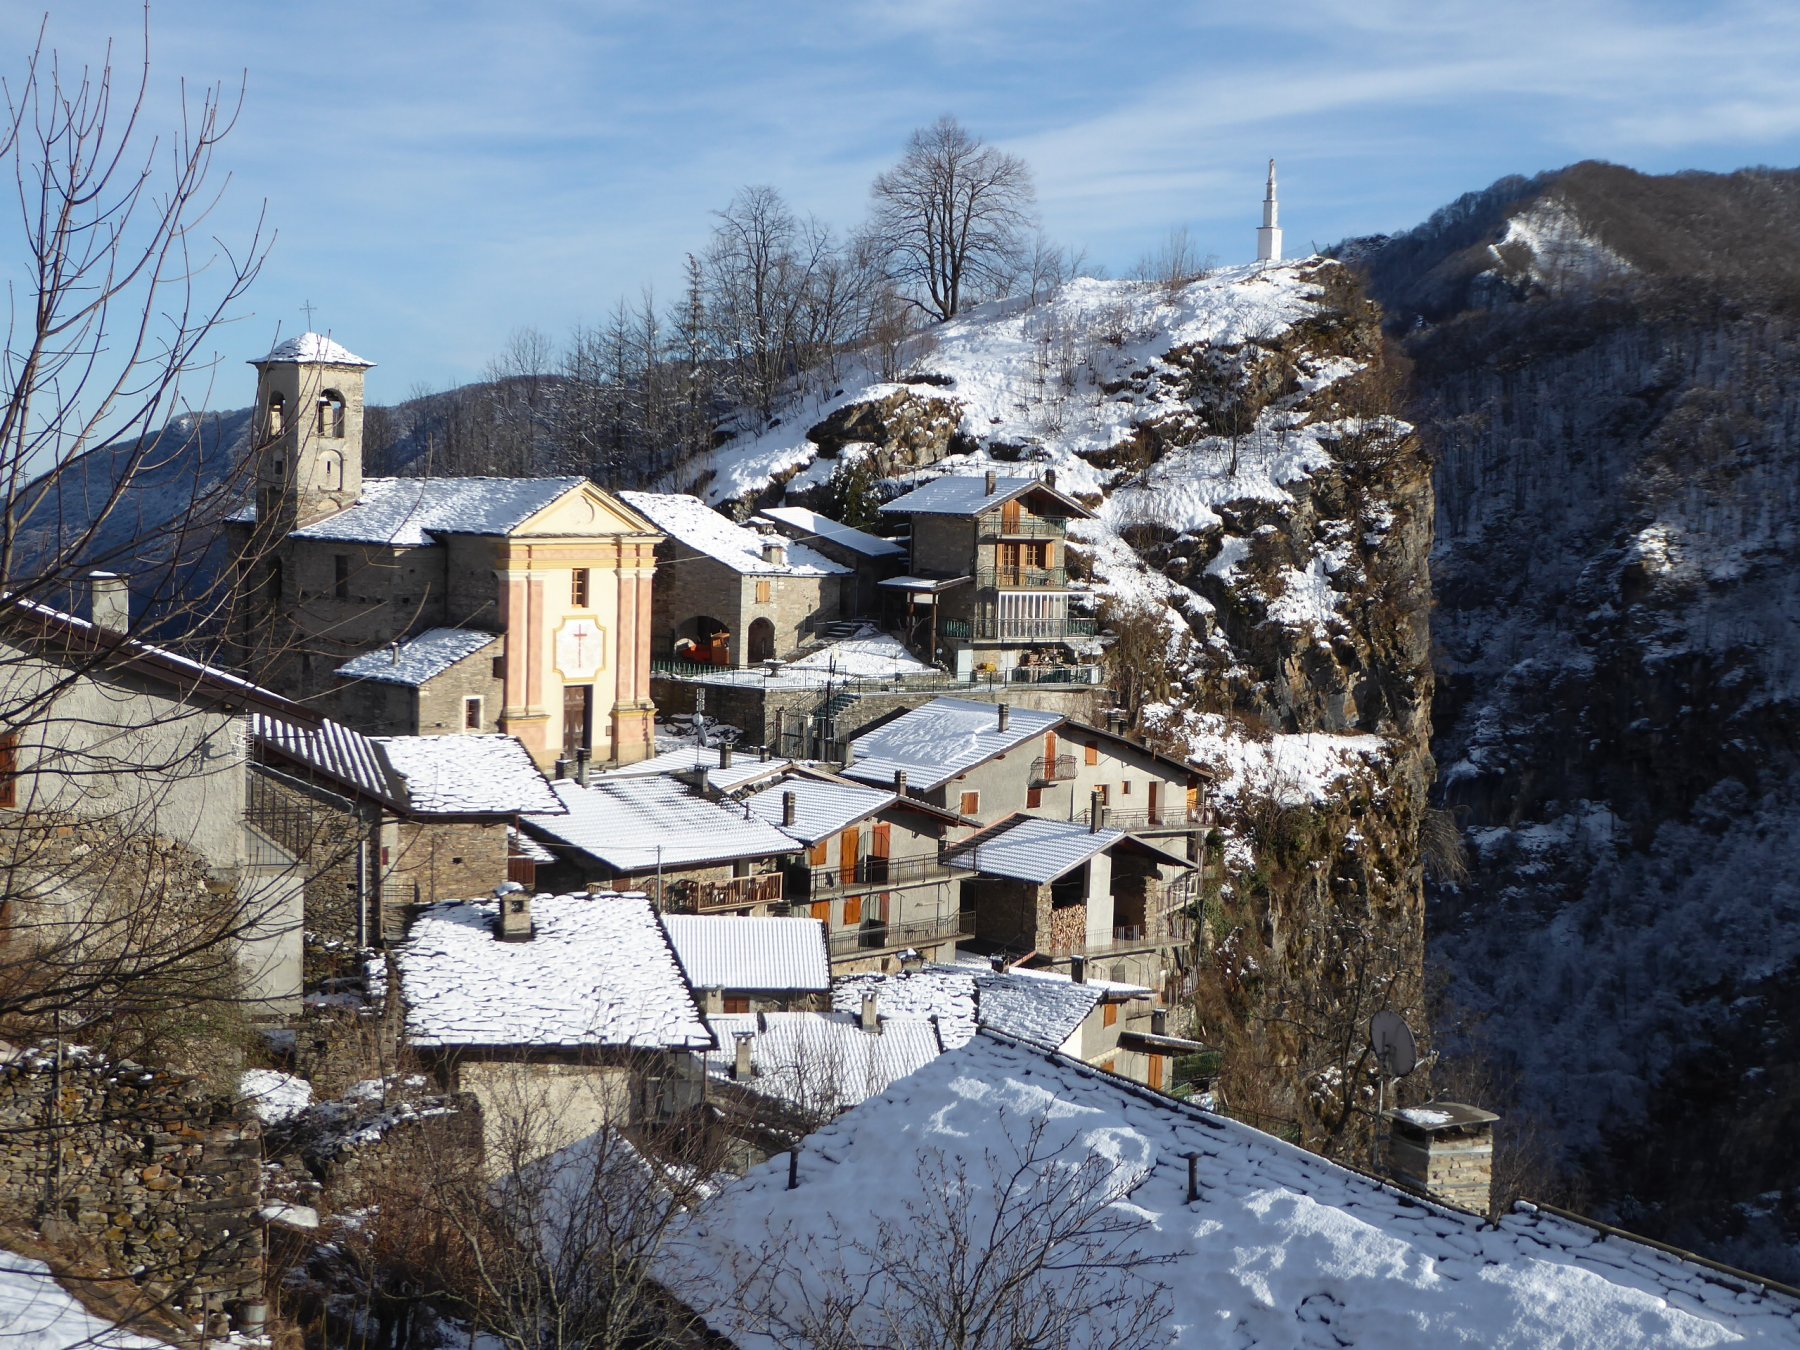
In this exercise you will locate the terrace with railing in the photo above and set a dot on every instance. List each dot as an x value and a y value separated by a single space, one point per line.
1169 930
1174 817
875 936
1047 769
1023 578
692 895
993 629
868 873
1017 525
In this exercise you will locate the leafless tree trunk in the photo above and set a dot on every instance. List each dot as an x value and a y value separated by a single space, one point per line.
952 217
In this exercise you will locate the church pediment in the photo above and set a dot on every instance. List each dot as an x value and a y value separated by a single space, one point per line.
583 510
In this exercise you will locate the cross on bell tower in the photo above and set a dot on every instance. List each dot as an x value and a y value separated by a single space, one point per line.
1268 238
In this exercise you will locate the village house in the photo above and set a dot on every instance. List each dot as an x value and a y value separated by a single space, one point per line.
743 964
730 596
350 583
561 1014
987 584
384 824
872 558
117 748
872 870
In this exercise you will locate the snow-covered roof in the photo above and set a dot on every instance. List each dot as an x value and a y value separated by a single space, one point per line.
961 998
821 807
752 955
694 523
1031 848
1279 1247
311 349
945 737
522 845
466 775
417 659
821 1063
597 971
870 652
744 768
423 775
409 512
959 494
832 532
633 824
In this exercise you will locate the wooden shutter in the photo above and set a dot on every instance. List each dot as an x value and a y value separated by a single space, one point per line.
971 803
852 911
821 852
1050 752
1093 752
1034 798
1110 1016
9 770
849 845
762 592
1011 515
1156 1071
881 840
739 1004
1155 791
821 910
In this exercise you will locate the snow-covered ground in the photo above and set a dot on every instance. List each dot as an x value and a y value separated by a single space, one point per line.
37 1313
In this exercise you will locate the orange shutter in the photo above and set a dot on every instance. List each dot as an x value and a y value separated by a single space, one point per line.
1111 1016
881 840
1093 752
849 845
852 911
1050 750
821 853
1155 800
971 803
1010 516
1193 795
1034 798
1156 1072
821 910
737 1005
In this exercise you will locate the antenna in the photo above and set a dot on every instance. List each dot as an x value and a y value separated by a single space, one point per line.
1392 1041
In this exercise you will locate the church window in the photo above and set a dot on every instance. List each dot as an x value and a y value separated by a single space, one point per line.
340 578
331 414
472 713
331 470
277 414
578 588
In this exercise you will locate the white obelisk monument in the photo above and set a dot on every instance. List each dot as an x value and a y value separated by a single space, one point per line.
1268 238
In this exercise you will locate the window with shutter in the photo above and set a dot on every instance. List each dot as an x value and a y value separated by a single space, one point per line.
821 910
1093 752
821 853
1110 1016
764 590
852 911
971 803
737 1005
1034 798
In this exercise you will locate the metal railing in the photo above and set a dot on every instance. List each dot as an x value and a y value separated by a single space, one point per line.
1046 769
870 873
1082 674
1017 630
1023 578
689 895
1172 930
875 936
995 525
1163 818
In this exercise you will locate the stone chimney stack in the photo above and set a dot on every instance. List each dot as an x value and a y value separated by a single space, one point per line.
741 1068
1159 1021
515 912
871 1013
109 601
583 756
712 1001
997 964
725 754
1050 479
1096 812
1444 1150
1005 715
790 807
774 552
1078 969
562 768
993 482
899 782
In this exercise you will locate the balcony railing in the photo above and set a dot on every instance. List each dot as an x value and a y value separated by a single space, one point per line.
1173 930
688 895
869 874
1047 769
1023 578
995 525
1163 818
1083 674
876 936
1016 630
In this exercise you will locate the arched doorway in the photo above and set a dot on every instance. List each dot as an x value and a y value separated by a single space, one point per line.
762 641
704 640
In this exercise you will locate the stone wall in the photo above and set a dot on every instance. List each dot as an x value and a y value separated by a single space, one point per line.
327 834
140 1172
440 860
439 710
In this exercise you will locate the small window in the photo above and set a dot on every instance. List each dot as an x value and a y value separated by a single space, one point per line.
340 575
457 861
578 588
971 803
331 471
1093 752
472 714
9 770
764 590
1125 788
739 1003
1105 792
331 415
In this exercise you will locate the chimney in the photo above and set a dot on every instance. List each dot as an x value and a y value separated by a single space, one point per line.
741 1069
394 652
1159 1021
1005 715
713 1001
993 482
774 552
562 768
899 782
109 601
1096 813
790 806
762 753
997 964
1050 479
515 912
1445 1150
911 962
1078 969
725 754
871 1014
582 756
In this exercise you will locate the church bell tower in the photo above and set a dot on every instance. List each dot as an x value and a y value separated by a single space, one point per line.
1268 238
308 432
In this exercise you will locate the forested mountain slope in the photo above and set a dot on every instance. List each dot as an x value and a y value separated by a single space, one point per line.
1608 366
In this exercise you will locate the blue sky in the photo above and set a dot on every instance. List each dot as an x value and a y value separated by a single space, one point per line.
442 174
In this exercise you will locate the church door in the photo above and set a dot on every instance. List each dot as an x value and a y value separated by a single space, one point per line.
578 718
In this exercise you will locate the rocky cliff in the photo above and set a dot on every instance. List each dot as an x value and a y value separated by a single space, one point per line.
1258 561
1607 364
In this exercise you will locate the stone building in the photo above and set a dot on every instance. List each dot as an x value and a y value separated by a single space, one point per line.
123 765
730 596
335 567
872 558
987 583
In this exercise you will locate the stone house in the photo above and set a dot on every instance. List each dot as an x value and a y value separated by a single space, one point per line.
872 871
561 1014
112 746
741 964
730 596
384 824
987 580
871 558
334 566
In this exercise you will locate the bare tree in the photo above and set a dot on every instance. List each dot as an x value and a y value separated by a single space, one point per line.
953 217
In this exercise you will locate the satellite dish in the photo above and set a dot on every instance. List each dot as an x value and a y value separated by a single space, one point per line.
1392 1041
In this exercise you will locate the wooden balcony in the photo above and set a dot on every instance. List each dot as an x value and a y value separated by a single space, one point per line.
874 936
687 895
